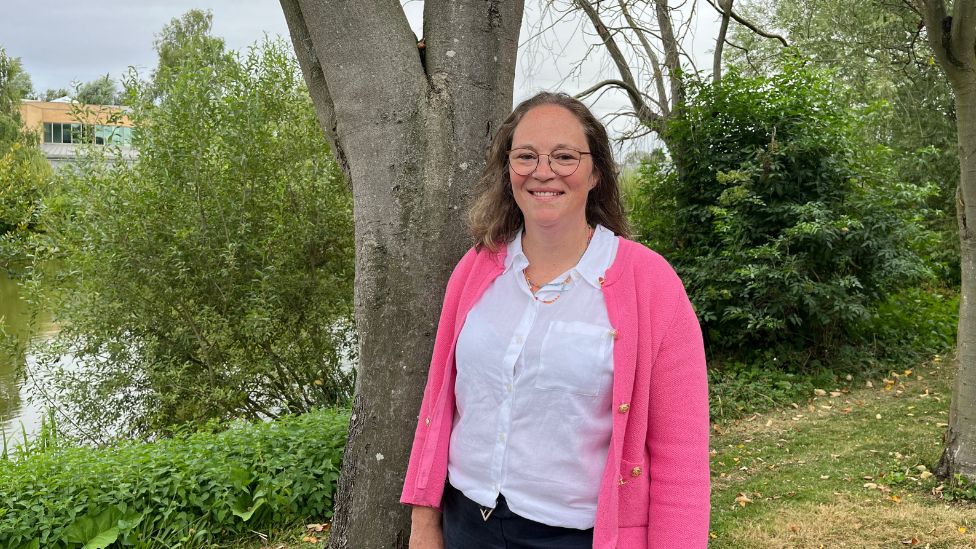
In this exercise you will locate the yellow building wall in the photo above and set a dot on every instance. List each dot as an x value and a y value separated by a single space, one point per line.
35 113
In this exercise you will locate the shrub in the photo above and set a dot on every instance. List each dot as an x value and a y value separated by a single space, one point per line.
212 278
783 224
177 492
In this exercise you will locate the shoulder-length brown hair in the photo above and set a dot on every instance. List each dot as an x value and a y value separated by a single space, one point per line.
494 218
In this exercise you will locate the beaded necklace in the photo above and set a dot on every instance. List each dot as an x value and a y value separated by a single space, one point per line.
533 287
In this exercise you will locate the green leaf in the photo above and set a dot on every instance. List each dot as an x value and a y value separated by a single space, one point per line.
246 514
103 539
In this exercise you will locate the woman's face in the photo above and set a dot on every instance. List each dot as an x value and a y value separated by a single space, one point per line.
547 199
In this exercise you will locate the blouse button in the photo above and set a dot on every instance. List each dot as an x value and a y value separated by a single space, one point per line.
623 408
635 472
613 333
427 421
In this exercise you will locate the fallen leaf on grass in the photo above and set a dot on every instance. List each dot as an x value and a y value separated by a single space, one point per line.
912 541
317 527
819 392
310 539
743 500
962 529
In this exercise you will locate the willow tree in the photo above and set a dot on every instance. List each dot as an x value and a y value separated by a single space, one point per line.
952 36
409 119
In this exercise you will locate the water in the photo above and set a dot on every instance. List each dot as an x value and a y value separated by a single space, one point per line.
16 414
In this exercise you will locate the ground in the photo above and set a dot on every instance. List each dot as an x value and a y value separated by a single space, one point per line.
850 467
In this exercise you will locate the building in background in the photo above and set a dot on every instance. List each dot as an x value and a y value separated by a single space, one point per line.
64 128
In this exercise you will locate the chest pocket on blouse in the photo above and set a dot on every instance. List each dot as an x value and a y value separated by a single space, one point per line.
575 358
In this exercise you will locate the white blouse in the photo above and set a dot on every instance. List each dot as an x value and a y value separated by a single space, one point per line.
534 381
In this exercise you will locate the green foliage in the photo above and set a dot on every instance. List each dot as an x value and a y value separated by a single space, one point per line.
877 52
211 278
15 85
918 321
784 225
51 94
179 492
183 40
23 169
960 488
100 91
24 175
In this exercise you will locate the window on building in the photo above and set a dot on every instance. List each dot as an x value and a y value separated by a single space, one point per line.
99 134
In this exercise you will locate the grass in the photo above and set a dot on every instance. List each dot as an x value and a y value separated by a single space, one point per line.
848 468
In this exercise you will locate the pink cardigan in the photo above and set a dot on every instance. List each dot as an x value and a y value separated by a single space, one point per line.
654 492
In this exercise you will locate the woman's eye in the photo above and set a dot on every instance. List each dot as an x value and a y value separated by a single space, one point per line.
526 156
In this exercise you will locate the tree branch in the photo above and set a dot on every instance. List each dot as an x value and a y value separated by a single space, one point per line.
644 113
650 118
934 13
314 79
672 59
656 73
749 24
720 41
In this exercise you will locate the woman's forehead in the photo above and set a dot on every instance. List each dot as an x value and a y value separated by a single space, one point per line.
550 125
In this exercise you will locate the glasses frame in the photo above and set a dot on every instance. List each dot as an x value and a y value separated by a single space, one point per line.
548 160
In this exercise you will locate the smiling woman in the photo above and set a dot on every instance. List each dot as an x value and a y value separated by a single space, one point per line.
566 404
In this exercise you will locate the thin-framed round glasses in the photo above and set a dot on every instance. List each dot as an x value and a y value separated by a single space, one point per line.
562 162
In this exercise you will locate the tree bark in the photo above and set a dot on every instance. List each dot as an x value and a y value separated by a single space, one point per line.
953 41
410 127
959 456
726 6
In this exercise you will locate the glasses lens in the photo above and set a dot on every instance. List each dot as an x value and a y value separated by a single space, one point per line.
564 161
523 161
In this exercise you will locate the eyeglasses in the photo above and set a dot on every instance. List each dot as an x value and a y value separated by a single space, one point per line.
562 162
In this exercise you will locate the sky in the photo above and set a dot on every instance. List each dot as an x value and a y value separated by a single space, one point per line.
65 42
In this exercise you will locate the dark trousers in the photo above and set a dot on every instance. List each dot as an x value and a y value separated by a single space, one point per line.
465 528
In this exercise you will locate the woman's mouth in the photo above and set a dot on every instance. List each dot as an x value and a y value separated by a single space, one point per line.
545 194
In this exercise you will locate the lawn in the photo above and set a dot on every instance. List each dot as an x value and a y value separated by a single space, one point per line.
850 467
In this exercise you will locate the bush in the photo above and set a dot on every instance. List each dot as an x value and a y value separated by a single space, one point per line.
785 226
23 176
178 492
213 277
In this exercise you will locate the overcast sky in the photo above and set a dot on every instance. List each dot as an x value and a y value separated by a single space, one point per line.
63 42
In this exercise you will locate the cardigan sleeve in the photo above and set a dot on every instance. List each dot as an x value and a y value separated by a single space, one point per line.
677 436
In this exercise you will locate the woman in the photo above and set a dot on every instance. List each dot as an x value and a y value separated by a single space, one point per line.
566 404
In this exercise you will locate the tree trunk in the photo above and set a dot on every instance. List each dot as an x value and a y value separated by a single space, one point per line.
959 456
952 37
410 127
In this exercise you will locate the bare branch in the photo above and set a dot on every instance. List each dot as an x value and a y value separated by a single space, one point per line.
631 92
656 73
672 59
749 24
644 113
720 41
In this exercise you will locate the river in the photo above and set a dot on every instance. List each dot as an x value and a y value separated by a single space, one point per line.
16 414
